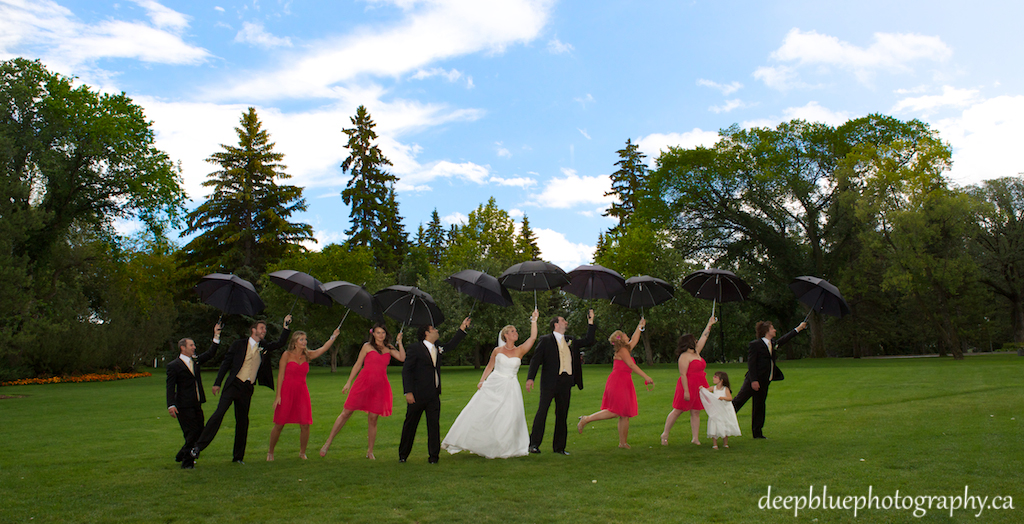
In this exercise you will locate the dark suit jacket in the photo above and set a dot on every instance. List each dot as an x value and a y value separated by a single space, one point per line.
182 384
760 361
235 357
418 371
546 355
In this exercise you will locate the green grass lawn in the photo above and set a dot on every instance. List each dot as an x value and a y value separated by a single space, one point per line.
103 452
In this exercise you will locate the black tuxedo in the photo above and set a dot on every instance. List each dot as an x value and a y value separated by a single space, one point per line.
761 368
185 393
422 377
555 386
238 392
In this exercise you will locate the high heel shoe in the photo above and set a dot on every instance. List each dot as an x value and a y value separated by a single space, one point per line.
370 456
580 424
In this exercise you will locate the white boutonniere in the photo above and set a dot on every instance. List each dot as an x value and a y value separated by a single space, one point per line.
568 342
440 350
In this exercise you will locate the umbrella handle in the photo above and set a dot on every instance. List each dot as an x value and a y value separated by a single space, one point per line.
534 299
347 311
471 308
713 302
293 305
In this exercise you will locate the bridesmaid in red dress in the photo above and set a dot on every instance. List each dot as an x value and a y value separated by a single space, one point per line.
292 404
619 392
691 369
372 391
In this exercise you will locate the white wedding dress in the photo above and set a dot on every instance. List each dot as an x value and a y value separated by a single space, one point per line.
493 424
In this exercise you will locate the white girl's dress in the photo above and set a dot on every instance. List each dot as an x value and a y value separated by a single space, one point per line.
721 415
493 424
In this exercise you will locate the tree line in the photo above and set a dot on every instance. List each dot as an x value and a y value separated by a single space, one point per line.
925 266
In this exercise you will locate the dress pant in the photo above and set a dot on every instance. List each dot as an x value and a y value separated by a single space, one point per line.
757 404
561 394
191 422
412 420
240 394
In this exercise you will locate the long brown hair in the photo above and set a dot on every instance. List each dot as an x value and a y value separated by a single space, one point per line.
294 340
686 343
373 341
724 377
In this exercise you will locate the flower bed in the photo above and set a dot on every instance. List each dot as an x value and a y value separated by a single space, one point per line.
90 377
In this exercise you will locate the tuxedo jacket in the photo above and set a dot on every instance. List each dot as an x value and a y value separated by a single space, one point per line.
235 357
418 371
546 356
182 384
760 361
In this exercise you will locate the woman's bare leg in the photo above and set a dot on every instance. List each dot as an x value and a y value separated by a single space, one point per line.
338 424
303 439
695 425
623 432
669 422
275 434
371 434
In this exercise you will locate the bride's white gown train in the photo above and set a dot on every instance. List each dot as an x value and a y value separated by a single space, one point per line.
493 424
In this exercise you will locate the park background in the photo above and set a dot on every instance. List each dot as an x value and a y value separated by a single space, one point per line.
871 145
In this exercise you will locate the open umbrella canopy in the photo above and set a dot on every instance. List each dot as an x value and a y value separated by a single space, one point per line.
644 291
716 284
533 275
594 281
230 294
356 298
409 305
820 295
480 286
301 285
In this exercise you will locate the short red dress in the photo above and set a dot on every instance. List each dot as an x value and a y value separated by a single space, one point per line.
695 379
295 406
619 392
371 391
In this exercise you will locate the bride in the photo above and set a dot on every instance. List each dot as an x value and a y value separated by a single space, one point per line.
493 424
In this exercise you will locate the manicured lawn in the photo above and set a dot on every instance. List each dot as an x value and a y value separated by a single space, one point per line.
103 452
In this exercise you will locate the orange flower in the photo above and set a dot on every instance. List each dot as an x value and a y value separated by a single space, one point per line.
90 377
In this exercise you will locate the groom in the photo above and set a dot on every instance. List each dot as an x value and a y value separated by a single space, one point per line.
560 357
761 371
421 383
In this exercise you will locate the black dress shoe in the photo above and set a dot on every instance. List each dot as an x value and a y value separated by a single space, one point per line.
188 464
761 437
534 449
401 459
237 461
563 452
432 461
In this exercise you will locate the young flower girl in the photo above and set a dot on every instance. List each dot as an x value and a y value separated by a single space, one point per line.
718 405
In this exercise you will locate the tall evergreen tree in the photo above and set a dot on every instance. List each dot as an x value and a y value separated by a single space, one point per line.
526 242
244 222
375 220
434 239
628 184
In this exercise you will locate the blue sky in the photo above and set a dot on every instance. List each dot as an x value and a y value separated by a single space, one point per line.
527 101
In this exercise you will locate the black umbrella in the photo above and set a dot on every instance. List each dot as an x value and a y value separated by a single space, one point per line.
644 291
354 298
594 281
534 275
717 285
480 286
301 285
230 294
819 295
409 305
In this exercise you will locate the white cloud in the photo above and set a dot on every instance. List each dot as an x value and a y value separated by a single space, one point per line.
572 190
950 97
450 76
726 89
984 138
514 182
516 213
557 47
584 100
560 251
503 152
584 133
729 106
325 238
892 52
253 33
427 33
46 29
455 218
218 8
652 145
813 112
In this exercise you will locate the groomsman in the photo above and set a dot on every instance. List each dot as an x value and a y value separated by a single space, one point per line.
559 356
761 371
246 363
185 394
421 383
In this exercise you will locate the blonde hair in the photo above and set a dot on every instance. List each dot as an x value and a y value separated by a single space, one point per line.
294 340
619 339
